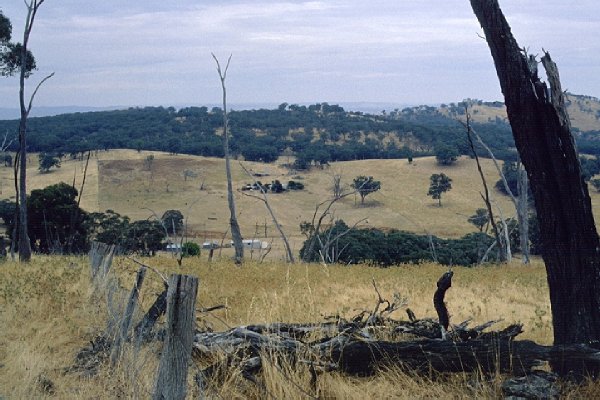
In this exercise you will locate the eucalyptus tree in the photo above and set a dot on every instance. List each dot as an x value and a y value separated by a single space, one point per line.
17 57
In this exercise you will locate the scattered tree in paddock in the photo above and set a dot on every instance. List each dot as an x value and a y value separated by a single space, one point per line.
439 184
48 161
480 219
365 185
446 155
173 221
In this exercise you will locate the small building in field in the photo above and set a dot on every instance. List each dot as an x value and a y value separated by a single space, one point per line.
173 247
255 244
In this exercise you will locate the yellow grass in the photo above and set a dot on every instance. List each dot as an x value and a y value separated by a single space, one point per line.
121 180
47 314
582 113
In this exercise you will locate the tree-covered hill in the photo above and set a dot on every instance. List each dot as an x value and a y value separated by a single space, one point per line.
316 133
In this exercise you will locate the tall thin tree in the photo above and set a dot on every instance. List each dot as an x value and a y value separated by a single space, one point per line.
236 235
23 239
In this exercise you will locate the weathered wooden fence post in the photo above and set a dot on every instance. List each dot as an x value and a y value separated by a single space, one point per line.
121 336
101 256
171 381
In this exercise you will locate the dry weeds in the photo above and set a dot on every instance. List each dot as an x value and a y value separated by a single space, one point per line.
47 314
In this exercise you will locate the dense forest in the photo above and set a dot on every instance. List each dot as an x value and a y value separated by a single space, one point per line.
315 134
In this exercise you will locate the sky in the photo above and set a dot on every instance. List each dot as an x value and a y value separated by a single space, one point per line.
399 52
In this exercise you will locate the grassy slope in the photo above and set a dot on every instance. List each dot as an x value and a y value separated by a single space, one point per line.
583 112
46 315
120 180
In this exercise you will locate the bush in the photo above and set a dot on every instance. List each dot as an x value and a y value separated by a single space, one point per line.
190 249
293 185
400 247
445 154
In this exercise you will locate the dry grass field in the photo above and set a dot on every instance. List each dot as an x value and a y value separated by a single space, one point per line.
47 313
122 180
583 112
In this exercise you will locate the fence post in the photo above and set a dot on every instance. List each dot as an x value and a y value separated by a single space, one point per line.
171 380
121 336
101 256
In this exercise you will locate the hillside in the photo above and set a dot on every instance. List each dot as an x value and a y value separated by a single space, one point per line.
584 111
314 134
122 181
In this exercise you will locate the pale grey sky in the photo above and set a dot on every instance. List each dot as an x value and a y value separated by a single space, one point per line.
137 53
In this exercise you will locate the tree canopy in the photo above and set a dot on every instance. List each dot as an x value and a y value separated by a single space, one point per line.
439 184
48 161
365 185
10 53
56 223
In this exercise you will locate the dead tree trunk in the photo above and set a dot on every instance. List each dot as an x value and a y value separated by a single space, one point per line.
522 212
236 235
521 203
171 382
264 199
503 246
542 133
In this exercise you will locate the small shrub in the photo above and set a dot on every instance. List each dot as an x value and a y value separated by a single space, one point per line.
293 185
190 249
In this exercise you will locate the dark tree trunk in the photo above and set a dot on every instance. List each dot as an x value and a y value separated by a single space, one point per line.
542 132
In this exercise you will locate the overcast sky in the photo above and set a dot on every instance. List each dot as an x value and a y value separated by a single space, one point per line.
151 52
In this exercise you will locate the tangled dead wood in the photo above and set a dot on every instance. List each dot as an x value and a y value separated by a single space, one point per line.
360 345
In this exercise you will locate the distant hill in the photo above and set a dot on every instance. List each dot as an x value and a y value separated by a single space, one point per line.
315 134
584 111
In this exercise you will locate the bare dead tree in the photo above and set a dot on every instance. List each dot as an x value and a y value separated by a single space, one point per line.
314 226
329 249
24 244
337 188
543 137
265 200
521 202
236 235
503 247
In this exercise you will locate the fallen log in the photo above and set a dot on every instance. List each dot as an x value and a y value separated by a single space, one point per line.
491 352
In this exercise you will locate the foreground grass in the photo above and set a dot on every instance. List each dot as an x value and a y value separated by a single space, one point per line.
47 315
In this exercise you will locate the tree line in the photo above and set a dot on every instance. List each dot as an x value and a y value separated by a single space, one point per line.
317 134
57 225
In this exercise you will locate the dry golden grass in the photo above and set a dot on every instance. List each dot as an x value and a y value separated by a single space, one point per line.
120 180
582 112
47 314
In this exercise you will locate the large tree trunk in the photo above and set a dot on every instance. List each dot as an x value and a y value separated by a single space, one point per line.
542 132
